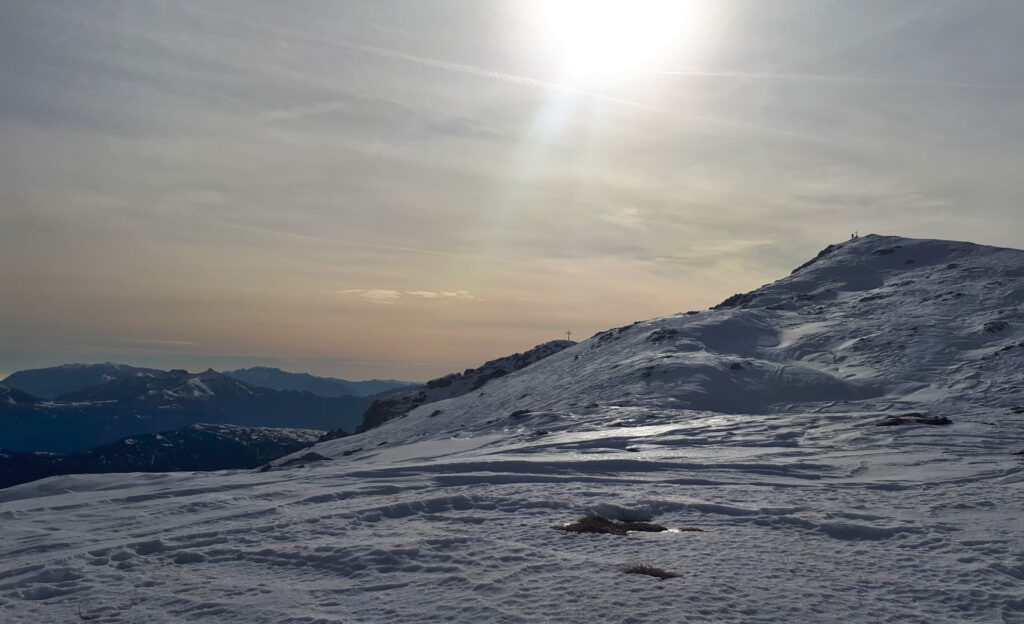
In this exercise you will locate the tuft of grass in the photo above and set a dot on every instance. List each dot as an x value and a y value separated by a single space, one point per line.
647 570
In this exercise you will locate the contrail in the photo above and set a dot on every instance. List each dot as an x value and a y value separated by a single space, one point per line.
482 72
836 78
427 61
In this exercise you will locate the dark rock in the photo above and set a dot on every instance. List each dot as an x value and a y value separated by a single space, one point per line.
302 459
995 326
735 301
599 524
647 570
334 435
445 381
662 334
913 418
821 254
876 297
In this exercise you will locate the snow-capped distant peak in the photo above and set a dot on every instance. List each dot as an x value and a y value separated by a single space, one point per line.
199 389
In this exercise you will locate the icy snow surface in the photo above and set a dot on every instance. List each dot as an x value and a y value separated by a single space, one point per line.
755 423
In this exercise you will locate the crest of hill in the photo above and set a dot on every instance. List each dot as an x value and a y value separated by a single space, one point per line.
324 386
49 383
876 323
12 397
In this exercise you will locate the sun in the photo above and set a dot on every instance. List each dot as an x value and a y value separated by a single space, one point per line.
609 37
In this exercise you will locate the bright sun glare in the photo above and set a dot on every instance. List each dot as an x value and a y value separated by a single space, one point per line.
619 36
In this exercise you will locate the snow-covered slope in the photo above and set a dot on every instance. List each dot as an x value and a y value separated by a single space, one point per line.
757 422
876 324
456 384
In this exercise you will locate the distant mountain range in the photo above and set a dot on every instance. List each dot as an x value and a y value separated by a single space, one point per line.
324 386
196 447
50 383
150 401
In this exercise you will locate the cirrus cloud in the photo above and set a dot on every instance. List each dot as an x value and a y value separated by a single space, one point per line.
389 297
373 295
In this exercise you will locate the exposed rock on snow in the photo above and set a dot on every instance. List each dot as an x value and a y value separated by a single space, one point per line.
916 418
600 524
301 460
647 570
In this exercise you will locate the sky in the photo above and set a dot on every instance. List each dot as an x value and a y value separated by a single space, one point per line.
402 189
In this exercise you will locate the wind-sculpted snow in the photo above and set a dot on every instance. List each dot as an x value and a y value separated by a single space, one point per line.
756 422
804 517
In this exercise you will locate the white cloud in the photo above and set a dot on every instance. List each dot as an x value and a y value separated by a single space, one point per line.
443 294
388 296
628 217
373 295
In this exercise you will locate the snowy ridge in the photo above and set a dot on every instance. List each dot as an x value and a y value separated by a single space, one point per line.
879 324
456 384
810 511
13 397
324 386
49 383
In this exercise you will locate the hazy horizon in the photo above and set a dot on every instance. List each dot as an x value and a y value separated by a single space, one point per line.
399 189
